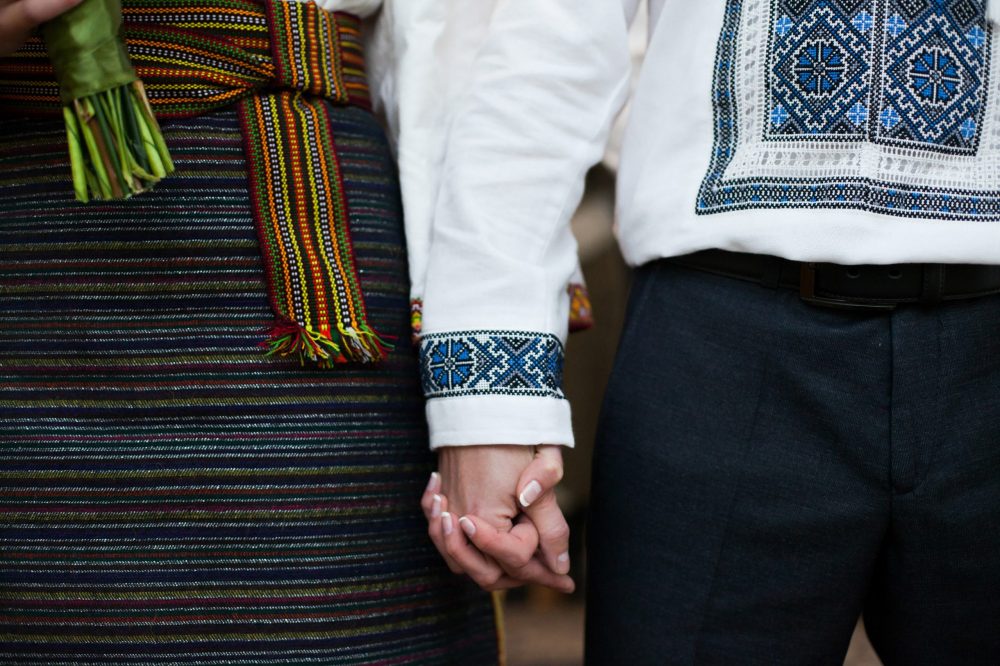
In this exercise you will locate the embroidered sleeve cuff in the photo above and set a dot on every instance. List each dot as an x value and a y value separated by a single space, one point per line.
497 363
495 387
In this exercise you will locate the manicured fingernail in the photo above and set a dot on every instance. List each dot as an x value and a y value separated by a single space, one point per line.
468 526
432 484
563 563
530 493
436 508
446 523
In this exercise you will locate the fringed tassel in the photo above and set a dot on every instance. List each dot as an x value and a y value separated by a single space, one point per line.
362 344
355 345
416 319
581 312
993 11
115 144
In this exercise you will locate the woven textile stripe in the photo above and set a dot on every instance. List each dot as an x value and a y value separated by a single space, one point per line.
317 55
195 57
300 208
168 495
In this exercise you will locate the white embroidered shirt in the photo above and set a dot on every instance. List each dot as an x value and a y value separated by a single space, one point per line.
851 131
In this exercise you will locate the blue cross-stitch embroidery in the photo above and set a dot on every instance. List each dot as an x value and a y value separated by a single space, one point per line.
819 72
863 22
820 68
491 363
935 77
858 114
976 37
889 118
449 363
969 128
932 76
895 25
913 74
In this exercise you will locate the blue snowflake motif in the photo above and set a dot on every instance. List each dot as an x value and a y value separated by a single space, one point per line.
858 114
895 25
783 26
450 363
889 117
976 36
820 68
779 116
863 22
968 129
935 77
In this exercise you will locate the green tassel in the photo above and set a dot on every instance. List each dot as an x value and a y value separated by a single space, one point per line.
291 339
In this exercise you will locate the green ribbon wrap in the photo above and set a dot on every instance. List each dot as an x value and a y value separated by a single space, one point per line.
115 144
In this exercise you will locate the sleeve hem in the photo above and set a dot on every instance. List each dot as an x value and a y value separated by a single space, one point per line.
485 420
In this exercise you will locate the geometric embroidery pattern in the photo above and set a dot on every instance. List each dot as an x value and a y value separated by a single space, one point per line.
821 77
868 94
933 91
903 72
491 363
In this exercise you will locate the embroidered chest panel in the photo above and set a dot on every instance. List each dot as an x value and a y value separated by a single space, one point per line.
884 105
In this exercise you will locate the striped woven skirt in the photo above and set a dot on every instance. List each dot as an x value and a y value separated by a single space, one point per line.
168 493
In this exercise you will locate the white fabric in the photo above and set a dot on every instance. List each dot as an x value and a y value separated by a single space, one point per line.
361 8
498 107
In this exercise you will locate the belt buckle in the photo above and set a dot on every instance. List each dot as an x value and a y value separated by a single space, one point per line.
807 292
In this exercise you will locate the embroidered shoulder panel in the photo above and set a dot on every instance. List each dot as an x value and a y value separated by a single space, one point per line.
882 105
491 363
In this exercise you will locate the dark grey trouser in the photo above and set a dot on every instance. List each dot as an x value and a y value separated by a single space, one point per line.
767 470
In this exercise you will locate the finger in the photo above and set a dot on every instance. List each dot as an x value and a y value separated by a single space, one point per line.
432 489
436 532
539 573
553 532
480 568
512 549
515 551
24 16
540 476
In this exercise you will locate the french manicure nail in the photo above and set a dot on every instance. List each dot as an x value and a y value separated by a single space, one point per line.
467 526
530 493
563 563
446 523
431 482
436 507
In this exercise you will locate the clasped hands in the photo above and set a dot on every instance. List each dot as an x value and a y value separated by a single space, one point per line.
492 514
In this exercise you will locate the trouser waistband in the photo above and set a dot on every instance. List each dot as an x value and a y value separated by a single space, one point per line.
859 287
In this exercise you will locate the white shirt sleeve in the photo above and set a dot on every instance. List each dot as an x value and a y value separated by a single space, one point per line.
542 89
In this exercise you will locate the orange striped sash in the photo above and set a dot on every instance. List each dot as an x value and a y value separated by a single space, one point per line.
281 64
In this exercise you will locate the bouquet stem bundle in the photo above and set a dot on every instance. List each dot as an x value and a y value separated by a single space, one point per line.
116 147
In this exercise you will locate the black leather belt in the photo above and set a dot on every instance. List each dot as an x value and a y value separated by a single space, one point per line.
866 287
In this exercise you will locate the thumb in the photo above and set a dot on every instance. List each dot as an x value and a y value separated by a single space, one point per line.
541 476
537 498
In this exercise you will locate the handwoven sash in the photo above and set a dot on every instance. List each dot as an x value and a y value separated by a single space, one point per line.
281 64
